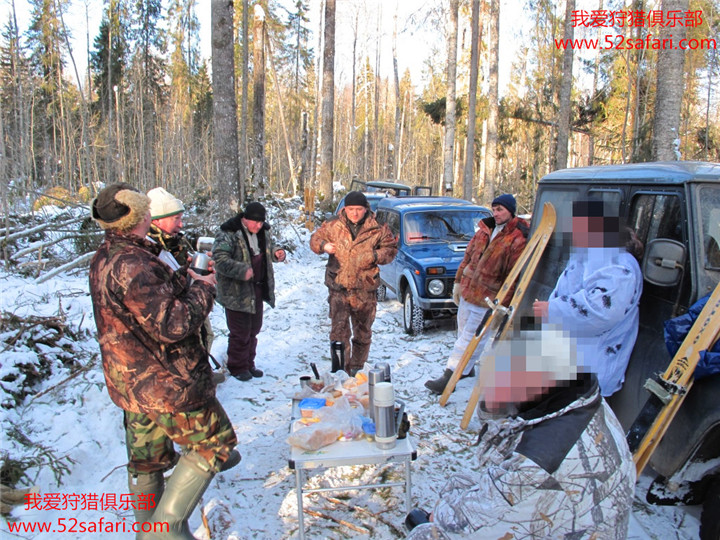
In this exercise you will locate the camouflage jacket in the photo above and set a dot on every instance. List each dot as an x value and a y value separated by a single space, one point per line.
559 469
148 320
354 266
175 244
231 254
486 264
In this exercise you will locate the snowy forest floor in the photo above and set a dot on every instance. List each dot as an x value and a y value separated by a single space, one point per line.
62 433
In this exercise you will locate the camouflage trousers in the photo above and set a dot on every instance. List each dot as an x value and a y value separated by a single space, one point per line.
353 314
150 437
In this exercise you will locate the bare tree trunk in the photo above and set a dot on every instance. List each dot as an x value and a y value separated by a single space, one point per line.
328 103
467 184
317 112
259 174
449 150
398 105
491 164
244 171
670 84
291 164
227 175
376 138
563 129
353 111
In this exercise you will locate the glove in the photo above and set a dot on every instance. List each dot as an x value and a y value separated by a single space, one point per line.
456 294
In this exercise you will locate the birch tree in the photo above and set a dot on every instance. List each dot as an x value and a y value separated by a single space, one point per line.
563 124
328 103
491 146
449 148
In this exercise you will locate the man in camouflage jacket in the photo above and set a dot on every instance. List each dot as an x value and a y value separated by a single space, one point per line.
489 258
148 319
166 212
553 460
357 244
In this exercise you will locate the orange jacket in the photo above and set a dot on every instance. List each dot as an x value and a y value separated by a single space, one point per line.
485 266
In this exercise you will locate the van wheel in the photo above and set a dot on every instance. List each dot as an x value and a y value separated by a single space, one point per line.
381 293
710 518
413 320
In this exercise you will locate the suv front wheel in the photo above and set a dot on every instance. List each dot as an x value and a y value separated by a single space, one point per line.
413 320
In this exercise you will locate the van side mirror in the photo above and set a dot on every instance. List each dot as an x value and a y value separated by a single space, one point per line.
664 262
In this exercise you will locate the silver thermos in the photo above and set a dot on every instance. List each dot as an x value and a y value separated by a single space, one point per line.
387 420
385 367
375 376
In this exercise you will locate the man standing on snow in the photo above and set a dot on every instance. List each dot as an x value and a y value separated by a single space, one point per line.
357 244
148 319
243 253
489 258
553 460
166 212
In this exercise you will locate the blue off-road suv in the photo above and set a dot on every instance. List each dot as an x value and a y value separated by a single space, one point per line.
432 233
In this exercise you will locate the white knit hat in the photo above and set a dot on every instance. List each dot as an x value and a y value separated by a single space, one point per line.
162 204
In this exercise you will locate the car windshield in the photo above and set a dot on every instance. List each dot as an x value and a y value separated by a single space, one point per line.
441 225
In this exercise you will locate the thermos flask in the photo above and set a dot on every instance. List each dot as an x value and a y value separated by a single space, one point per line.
375 376
386 422
386 370
337 355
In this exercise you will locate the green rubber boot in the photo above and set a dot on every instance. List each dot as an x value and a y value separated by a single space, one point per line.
188 482
146 484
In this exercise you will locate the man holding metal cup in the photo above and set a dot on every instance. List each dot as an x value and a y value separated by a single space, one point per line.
166 212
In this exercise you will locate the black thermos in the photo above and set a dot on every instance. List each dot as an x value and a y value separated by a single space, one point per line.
337 354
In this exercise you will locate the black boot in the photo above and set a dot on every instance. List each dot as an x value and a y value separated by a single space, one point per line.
437 386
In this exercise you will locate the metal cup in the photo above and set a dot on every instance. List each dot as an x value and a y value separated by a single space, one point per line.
305 381
200 264
205 243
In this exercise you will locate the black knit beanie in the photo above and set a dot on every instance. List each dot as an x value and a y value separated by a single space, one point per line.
355 198
254 212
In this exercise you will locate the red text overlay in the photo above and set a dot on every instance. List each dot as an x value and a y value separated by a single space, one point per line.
75 526
623 43
605 18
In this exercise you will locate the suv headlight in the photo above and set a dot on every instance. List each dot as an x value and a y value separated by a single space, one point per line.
435 287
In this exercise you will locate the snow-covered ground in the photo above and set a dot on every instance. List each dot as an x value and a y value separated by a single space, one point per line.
77 421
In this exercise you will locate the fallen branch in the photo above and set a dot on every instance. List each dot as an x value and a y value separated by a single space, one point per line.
374 515
336 520
28 232
68 266
35 247
80 370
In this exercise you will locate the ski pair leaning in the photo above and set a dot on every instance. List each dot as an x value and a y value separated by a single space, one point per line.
498 319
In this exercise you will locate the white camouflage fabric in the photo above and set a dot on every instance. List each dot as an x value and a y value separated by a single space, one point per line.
561 470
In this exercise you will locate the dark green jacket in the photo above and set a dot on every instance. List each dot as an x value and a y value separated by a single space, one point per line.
231 254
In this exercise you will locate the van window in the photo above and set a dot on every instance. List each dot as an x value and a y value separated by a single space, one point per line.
657 215
709 197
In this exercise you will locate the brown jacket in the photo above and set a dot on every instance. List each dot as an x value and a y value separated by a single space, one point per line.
148 320
354 266
485 267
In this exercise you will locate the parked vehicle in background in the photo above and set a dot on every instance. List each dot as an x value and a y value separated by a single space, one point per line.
432 233
376 190
674 208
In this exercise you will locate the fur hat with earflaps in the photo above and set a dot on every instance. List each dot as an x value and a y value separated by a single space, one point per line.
120 206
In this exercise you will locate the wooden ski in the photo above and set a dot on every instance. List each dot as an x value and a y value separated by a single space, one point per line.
668 391
533 249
